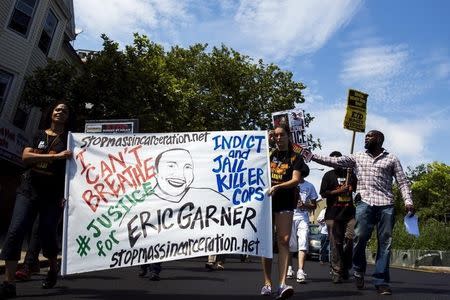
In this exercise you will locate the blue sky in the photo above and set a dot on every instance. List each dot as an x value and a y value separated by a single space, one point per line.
398 52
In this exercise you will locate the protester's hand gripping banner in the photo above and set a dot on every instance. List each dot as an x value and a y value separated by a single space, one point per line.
144 198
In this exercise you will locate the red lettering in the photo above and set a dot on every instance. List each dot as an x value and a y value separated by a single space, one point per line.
134 151
99 188
110 184
80 156
138 175
149 169
119 159
105 168
88 179
123 180
91 199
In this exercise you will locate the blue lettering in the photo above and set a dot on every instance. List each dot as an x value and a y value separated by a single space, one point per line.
245 142
255 176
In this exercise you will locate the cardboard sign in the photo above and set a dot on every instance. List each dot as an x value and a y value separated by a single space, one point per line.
355 117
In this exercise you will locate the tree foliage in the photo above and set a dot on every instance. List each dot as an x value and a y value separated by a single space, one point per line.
430 189
54 81
183 89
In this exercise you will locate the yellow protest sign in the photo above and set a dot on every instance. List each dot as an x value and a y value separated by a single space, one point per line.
355 117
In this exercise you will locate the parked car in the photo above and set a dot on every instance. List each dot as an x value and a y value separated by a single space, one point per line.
314 241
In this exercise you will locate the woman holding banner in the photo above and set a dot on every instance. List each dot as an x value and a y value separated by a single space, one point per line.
286 168
42 192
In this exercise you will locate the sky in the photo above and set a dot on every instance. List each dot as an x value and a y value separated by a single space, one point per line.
398 52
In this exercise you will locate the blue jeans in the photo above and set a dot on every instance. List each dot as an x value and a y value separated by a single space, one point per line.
367 217
155 268
30 201
324 248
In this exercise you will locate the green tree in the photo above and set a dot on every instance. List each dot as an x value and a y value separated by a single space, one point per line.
183 89
431 191
430 185
54 81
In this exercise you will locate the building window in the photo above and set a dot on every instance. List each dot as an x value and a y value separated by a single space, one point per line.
22 16
21 116
5 83
47 33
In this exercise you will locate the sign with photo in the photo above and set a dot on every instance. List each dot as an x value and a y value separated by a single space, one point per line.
295 120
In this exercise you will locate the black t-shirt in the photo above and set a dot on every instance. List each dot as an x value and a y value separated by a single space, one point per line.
339 207
282 165
51 173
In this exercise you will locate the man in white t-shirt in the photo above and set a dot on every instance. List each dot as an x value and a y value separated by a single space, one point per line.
300 226
324 241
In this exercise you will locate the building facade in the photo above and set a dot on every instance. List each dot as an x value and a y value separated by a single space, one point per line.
31 33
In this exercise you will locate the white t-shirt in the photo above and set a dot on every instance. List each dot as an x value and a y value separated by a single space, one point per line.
321 221
308 194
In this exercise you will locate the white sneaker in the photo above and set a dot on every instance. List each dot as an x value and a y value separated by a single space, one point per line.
290 273
301 276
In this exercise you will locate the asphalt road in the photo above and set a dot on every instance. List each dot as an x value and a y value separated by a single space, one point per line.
188 279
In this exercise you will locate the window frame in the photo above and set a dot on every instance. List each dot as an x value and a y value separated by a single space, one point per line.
31 17
7 89
51 36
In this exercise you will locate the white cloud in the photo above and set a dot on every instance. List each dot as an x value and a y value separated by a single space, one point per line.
390 74
120 18
290 27
439 61
378 62
273 30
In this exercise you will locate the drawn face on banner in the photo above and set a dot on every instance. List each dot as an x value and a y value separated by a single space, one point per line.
175 171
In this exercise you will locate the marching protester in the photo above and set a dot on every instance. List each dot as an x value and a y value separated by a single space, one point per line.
375 170
153 271
31 260
300 226
324 253
215 262
337 186
286 167
42 191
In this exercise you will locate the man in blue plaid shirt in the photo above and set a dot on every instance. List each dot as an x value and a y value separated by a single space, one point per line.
375 169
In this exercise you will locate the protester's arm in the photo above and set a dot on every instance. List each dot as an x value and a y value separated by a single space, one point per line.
327 190
342 161
30 157
295 180
313 198
340 190
403 185
321 217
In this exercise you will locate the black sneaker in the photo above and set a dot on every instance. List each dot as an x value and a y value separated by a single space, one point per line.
336 278
210 266
383 290
345 275
50 280
142 271
7 290
153 277
359 281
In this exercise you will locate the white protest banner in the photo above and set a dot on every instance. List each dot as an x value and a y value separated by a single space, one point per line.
144 198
